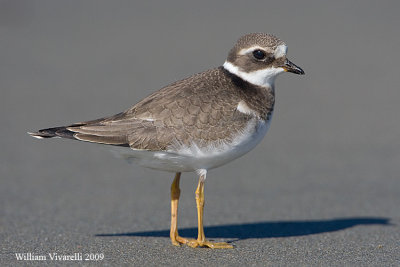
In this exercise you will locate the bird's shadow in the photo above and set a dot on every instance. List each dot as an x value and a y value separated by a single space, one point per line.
267 229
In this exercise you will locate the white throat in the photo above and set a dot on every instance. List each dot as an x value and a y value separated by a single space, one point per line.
263 77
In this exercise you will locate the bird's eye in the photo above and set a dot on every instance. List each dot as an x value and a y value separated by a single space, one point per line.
259 54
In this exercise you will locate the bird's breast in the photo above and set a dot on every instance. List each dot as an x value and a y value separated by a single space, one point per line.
210 155
200 154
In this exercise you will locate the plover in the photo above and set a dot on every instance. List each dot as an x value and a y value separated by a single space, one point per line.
198 123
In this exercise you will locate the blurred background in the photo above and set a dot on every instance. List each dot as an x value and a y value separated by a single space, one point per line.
332 151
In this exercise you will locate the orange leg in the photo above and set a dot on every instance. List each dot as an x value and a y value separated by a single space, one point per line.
201 239
175 193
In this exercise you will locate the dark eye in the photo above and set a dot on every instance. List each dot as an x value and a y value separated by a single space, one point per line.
259 54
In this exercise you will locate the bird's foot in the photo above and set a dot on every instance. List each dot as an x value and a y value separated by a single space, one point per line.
194 243
178 240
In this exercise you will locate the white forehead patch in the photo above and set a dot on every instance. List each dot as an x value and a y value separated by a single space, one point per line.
244 51
264 77
280 51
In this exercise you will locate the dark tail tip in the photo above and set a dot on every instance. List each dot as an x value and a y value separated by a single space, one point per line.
52 132
37 135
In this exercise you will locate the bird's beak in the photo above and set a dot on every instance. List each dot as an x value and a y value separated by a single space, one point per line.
289 66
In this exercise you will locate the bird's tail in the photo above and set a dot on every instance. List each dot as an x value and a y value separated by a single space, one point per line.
62 132
91 131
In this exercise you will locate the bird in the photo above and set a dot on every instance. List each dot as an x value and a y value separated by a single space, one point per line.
197 123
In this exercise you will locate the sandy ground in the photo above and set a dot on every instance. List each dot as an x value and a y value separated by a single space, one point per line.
322 188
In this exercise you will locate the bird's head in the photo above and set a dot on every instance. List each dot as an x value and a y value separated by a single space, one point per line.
258 58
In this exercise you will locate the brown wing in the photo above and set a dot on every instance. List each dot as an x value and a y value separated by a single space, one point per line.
200 108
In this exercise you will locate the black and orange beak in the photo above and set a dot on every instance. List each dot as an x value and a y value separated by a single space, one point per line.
289 66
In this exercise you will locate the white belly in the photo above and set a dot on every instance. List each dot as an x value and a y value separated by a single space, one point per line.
193 157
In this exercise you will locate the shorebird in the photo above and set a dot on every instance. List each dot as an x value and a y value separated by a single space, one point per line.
198 123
